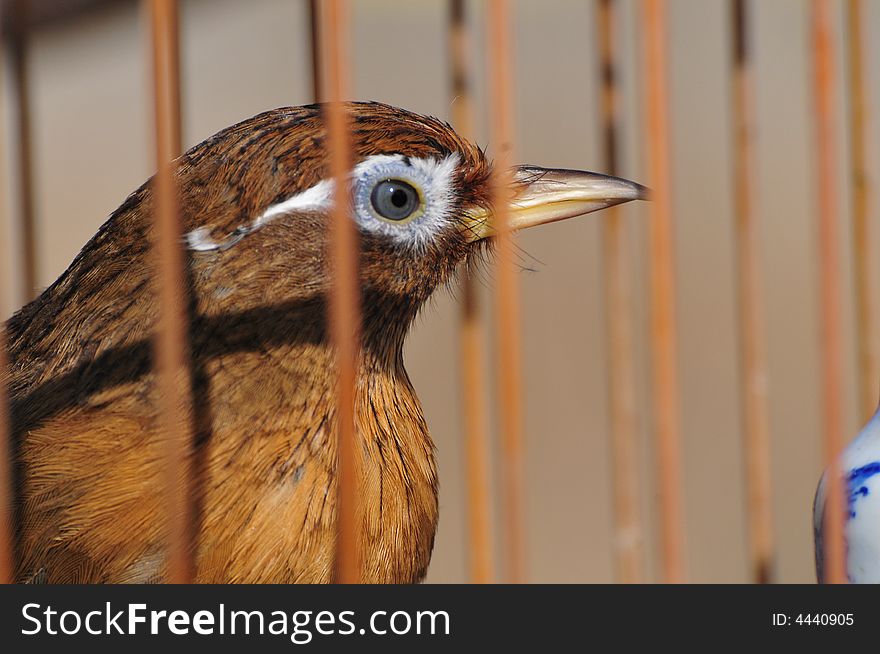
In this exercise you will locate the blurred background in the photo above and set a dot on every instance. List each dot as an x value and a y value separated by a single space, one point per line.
92 144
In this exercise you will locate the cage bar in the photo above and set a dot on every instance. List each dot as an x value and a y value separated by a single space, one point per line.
315 49
7 559
753 349
662 291
171 345
628 528
471 332
867 328
344 309
18 55
829 286
507 297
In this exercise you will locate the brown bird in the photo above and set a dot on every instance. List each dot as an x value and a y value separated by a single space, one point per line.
255 200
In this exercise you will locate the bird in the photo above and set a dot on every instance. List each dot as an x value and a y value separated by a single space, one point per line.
254 204
859 463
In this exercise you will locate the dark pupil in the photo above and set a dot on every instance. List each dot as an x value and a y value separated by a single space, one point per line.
398 198
394 199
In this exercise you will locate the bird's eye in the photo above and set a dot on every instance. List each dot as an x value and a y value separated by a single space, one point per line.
395 200
405 199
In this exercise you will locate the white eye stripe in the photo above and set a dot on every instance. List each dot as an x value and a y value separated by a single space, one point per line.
316 198
320 196
433 177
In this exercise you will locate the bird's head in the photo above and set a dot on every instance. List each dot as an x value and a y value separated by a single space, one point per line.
257 200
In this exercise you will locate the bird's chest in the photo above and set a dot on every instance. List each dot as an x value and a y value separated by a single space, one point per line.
277 522
399 482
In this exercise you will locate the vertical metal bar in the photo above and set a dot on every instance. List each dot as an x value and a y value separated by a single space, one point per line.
628 538
756 418
18 51
508 319
460 57
663 319
344 310
867 328
171 346
315 38
7 559
830 284
470 334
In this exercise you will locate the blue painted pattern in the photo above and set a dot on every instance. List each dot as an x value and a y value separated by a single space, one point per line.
856 483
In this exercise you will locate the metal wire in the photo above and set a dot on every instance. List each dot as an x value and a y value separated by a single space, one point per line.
663 323
830 283
18 55
628 529
471 332
7 558
345 297
171 345
315 42
508 300
756 416
867 328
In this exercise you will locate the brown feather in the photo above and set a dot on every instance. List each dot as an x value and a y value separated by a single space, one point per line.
88 459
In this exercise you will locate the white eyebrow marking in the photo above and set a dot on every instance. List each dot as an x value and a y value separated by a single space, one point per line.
316 198
199 240
320 196
433 176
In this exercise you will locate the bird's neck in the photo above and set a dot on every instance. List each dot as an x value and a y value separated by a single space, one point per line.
385 322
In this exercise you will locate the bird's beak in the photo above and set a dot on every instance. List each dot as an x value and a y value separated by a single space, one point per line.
545 195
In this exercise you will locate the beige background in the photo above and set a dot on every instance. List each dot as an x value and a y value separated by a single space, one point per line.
92 147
